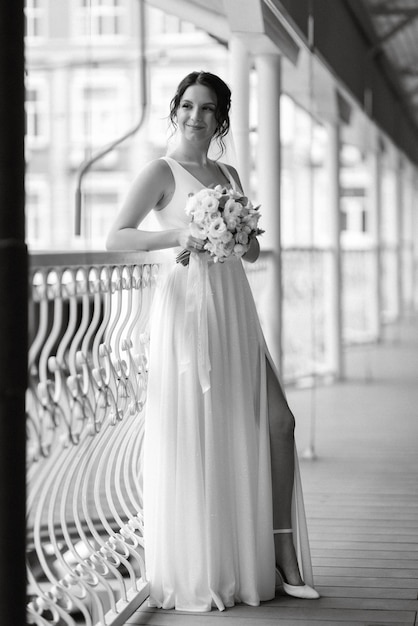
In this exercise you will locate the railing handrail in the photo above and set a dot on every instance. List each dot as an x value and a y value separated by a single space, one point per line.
71 258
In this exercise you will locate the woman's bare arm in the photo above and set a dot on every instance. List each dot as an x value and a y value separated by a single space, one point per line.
150 189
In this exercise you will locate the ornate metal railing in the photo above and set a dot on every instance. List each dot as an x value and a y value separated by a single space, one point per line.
87 387
359 296
306 311
306 290
307 305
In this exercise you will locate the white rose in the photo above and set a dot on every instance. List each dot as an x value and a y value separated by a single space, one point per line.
199 215
236 195
217 228
239 249
251 221
232 209
191 205
231 222
226 237
241 237
209 204
199 231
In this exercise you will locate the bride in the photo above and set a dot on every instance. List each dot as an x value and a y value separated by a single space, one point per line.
223 511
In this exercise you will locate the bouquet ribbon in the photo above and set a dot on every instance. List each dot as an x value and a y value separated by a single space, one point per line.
196 319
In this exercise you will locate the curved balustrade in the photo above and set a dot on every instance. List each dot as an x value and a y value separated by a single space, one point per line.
86 392
359 303
87 388
306 291
307 305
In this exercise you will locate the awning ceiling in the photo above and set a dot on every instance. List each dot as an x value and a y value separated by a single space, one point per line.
388 30
395 37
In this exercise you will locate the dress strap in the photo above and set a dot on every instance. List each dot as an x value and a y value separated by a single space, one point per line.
228 175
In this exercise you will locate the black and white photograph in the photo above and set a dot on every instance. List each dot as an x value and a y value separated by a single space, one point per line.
209 312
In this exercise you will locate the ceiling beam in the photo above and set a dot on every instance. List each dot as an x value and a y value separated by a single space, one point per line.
413 93
397 10
396 29
408 72
202 17
259 23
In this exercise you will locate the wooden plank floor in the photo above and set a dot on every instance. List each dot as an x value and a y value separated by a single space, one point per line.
361 497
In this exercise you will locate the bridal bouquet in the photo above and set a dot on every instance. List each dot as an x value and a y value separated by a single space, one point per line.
224 220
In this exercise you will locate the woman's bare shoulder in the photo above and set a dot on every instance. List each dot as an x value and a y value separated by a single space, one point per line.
158 169
155 180
233 172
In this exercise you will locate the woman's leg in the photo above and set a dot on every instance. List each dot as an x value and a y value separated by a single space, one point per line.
282 426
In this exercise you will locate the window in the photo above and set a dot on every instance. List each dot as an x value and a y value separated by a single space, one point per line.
100 19
37 207
102 197
161 23
37 117
35 20
353 211
100 104
353 181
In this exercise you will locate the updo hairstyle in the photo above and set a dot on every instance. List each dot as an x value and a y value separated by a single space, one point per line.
223 100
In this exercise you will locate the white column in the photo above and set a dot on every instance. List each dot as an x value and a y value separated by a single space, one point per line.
399 235
408 238
375 209
268 188
336 322
414 200
239 72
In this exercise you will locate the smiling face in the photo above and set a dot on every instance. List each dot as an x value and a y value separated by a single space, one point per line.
196 114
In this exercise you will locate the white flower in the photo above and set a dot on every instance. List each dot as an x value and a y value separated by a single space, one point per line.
232 222
236 195
209 204
226 237
199 215
191 205
217 228
241 237
251 220
239 249
224 220
232 209
200 231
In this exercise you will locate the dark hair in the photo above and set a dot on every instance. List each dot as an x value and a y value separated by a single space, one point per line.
223 100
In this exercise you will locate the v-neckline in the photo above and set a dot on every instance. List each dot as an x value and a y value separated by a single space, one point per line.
230 180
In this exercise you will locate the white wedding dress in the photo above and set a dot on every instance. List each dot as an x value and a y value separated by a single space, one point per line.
207 481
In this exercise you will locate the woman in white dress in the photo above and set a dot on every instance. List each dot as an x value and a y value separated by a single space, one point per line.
223 509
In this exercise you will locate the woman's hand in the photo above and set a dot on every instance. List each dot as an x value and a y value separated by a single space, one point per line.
190 243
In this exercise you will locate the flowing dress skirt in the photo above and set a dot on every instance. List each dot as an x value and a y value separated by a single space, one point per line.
207 477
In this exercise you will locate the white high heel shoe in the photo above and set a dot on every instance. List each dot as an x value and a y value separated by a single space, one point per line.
303 591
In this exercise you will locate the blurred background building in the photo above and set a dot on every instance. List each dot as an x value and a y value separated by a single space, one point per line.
83 91
325 137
